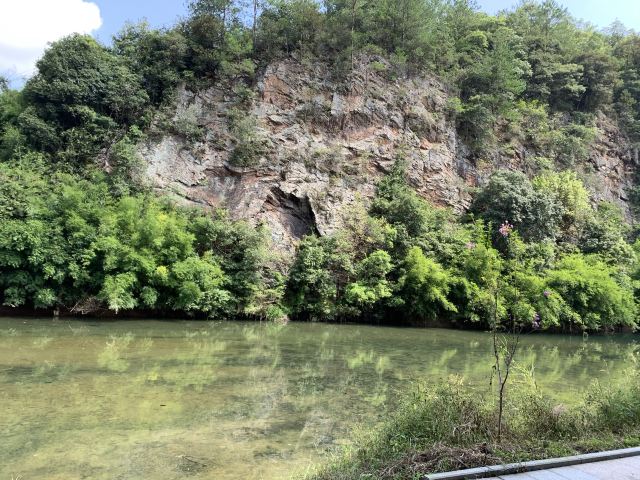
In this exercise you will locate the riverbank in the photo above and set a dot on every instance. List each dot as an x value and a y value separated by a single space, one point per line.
108 315
97 314
448 427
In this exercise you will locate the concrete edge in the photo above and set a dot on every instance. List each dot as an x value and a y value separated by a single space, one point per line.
496 470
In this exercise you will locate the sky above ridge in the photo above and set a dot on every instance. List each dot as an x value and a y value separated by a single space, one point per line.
26 26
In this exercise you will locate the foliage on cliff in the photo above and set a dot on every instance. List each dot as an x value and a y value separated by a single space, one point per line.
532 71
81 230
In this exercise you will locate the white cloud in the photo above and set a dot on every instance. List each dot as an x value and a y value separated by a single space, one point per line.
27 26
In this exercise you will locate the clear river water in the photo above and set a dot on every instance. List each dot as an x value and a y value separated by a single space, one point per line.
158 400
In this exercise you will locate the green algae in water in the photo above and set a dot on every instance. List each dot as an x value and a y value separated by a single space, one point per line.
209 400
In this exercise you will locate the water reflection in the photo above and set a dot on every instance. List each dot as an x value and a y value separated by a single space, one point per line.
212 400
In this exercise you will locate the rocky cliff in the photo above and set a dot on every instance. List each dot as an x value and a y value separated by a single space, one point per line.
324 145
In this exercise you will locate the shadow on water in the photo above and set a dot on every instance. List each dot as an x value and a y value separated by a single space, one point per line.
212 400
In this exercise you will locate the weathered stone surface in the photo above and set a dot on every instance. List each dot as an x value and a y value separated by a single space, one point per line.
331 143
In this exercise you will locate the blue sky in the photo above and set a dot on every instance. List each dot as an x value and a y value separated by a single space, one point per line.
26 26
164 12
599 12
157 12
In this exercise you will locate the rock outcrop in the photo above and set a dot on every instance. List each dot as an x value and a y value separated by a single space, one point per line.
326 144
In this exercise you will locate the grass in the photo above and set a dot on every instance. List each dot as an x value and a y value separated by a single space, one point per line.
450 427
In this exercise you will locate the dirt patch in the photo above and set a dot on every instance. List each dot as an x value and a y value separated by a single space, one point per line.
441 458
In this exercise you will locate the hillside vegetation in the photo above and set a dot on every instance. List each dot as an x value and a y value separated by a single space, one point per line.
81 229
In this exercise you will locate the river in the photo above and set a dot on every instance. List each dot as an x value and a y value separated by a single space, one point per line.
232 400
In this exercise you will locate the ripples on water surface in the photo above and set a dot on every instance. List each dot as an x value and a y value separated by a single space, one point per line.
208 400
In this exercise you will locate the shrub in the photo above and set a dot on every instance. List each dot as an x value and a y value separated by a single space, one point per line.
593 298
569 144
67 240
510 196
448 427
186 124
249 144
615 408
425 286
125 164
572 198
604 232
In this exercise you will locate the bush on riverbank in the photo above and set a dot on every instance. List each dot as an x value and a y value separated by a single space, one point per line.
406 260
449 427
67 243
70 243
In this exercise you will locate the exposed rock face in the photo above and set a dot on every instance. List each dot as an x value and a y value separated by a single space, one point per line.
613 161
327 145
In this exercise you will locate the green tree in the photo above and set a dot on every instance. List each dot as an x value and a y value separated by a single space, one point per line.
218 42
372 285
497 78
604 234
489 88
286 26
477 270
627 93
425 286
30 258
593 298
200 282
159 57
399 205
599 77
11 137
239 248
510 197
312 289
81 94
569 193
551 41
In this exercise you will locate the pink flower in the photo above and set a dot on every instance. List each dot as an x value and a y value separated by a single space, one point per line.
471 245
505 229
547 294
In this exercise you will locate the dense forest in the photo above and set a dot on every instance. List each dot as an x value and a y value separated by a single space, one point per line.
81 230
